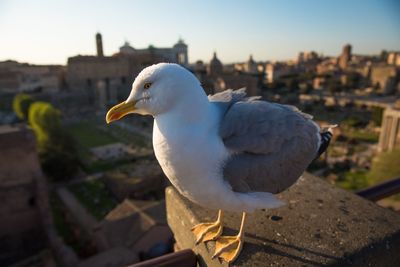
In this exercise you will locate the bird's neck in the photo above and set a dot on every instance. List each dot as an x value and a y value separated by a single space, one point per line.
190 113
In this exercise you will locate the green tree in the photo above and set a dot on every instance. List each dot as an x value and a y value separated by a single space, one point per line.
355 121
21 104
354 180
57 150
376 116
385 166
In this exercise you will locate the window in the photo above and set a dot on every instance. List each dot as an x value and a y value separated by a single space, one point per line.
181 58
32 201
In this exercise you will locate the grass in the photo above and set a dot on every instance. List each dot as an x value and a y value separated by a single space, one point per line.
329 114
104 165
385 166
363 136
354 180
72 235
128 136
89 136
92 134
57 210
63 227
94 196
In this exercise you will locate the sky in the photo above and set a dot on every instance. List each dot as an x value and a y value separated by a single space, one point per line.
50 31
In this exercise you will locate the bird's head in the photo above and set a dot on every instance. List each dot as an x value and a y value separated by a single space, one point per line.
155 90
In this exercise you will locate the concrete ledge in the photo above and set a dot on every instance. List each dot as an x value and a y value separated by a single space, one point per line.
321 225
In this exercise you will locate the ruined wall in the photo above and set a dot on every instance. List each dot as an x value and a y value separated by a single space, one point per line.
386 77
21 231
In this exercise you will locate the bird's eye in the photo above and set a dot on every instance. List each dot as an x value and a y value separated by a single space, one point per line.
146 85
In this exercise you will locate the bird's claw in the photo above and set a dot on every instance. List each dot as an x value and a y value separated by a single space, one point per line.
228 248
207 231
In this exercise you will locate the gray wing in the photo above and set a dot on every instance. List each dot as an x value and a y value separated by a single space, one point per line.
225 99
229 96
273 144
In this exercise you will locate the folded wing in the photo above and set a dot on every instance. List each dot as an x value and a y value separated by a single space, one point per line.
272 144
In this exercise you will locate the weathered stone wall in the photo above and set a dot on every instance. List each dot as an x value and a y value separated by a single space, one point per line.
85 71
321 225
386 77
21 229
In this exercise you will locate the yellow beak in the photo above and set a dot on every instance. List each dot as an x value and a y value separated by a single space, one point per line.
120 110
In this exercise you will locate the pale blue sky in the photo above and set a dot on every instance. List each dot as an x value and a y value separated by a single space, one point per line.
49 31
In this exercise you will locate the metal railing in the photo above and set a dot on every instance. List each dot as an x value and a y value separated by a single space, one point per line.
183 258
380 191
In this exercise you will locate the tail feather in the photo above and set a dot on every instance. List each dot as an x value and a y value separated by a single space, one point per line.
326 137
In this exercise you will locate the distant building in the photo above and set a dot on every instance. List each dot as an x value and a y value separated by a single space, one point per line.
10 80
308 61
127 49
250 66
217 77
385 78
273 71
21 77
215 67
236 81
319 83
200 69
345 57
99 45
389 138
393 58
178 53
109 78
327 66
304 57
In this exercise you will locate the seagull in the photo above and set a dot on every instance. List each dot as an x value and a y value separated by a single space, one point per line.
226 151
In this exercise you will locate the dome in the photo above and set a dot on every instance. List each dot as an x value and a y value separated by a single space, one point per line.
251 60
215 66
215 61
126 48
180 43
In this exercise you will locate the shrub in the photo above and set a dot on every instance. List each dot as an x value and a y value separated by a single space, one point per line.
376 116
21 104
57 150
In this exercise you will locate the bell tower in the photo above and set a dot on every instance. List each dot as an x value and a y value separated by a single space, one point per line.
99 45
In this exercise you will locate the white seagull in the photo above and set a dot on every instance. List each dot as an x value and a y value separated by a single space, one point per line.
225 151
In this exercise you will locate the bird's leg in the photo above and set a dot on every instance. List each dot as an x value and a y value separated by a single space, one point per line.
208 231
228 248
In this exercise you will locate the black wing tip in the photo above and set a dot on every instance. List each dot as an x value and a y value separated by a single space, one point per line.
325 141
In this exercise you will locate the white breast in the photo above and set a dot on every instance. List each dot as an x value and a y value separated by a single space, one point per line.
191 158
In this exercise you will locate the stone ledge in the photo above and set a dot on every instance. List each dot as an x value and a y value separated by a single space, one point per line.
321 225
